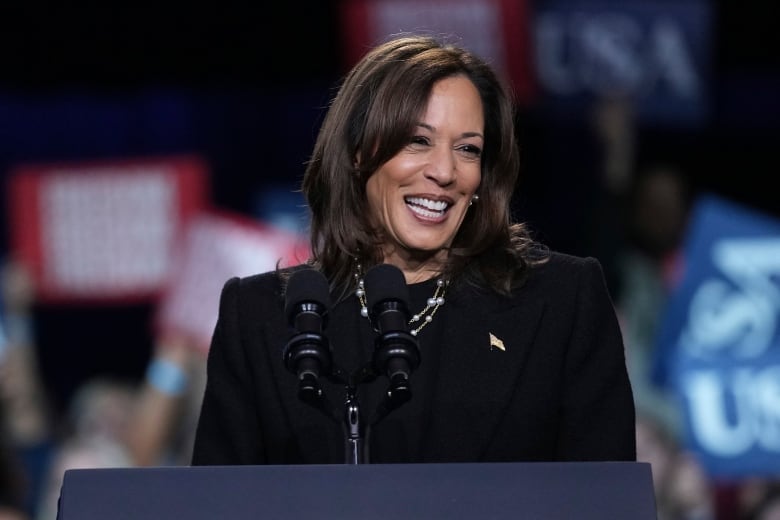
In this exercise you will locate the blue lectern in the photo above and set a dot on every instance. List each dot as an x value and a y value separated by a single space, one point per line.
549 491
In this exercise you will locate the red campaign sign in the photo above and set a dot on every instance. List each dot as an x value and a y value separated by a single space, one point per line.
102 231
497 30
216 247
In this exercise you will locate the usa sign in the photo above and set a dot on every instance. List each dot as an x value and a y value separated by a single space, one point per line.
719 344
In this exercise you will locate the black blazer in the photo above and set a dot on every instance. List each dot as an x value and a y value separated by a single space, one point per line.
558 390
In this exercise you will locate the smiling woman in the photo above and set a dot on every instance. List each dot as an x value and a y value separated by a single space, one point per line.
517 350
418 198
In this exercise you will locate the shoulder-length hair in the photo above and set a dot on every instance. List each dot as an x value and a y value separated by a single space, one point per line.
373 116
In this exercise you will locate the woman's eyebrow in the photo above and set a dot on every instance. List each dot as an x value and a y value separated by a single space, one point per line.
464 134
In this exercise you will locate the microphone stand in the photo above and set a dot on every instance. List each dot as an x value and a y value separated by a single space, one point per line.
355 446
355 434
354 438
352 420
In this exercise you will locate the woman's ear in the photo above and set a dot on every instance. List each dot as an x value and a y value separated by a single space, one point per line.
356 165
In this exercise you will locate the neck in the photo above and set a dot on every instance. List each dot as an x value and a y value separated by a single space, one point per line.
417 268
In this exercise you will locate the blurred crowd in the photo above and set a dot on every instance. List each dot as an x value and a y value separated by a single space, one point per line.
109 421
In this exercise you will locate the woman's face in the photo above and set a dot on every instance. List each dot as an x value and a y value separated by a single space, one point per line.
420 196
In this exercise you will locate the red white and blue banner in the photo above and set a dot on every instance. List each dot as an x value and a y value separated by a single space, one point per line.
719 344
102 231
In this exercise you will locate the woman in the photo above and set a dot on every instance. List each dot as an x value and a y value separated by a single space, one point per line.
521 355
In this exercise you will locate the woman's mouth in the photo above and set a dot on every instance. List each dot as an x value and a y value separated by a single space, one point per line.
427 208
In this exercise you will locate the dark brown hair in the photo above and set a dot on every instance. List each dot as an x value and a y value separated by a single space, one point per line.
373 116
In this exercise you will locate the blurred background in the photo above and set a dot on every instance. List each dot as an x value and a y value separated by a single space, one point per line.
149 153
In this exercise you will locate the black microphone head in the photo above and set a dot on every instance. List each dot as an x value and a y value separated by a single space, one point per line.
396 352
385 282
306 286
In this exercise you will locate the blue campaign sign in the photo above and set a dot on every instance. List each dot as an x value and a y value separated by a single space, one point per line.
658 54
719 342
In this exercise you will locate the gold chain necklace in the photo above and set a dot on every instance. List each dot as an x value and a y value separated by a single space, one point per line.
424 317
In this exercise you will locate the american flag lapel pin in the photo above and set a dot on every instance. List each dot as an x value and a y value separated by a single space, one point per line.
496 343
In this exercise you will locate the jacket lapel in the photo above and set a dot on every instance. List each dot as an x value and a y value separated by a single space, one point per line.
484 348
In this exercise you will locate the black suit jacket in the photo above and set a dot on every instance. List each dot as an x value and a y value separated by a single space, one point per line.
551 386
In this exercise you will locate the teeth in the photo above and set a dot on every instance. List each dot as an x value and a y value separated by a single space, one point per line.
426 213
432 205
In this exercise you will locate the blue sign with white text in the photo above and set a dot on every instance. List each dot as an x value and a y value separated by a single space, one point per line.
658 54
719 342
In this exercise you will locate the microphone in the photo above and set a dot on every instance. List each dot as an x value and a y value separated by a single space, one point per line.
307 353
396 352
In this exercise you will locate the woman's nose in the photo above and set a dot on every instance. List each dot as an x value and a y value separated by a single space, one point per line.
441 166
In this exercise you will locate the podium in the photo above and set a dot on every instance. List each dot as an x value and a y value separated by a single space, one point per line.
534 490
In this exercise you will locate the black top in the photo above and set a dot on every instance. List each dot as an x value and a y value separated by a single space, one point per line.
538 376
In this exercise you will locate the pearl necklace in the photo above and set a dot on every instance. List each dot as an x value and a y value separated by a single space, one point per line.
425 316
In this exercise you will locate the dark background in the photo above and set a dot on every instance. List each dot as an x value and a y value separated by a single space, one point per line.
245 88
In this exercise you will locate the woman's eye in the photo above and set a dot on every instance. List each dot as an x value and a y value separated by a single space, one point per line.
471 150
421 140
